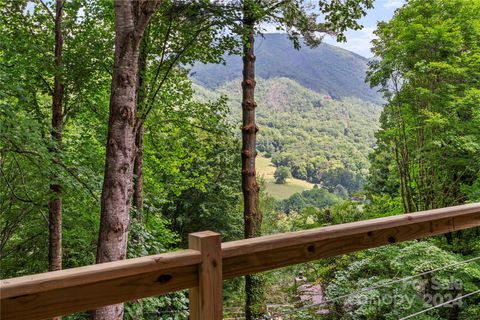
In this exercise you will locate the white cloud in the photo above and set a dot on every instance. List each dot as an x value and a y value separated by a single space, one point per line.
270 28
392 4
357 41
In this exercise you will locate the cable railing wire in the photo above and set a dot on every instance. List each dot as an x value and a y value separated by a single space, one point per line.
440 305
368 289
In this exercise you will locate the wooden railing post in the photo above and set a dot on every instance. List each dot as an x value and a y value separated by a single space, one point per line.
206 299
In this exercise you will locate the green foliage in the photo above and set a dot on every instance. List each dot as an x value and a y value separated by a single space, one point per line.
26 55
401 298
342 181
428 67
299 18
317 198
172 306
472 191
471 312
282 174
266 171
187 145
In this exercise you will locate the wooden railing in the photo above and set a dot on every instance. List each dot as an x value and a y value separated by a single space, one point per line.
204 266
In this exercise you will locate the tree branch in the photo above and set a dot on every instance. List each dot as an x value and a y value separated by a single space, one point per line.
50 13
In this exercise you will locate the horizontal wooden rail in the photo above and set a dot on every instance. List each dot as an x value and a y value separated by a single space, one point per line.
269 252
68 291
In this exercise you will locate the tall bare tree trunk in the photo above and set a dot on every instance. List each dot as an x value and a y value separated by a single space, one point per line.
131 18
251 212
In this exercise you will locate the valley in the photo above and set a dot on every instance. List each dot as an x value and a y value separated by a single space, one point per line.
265 171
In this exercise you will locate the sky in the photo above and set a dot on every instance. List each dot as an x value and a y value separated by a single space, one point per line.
359 41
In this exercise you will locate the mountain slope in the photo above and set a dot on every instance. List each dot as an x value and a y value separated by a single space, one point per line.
321 140
325 69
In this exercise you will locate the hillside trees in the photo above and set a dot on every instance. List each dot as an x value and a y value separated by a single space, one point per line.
186 144
37 70
178 35
305 132
426 157
328 70
427 153
316 197
181 134
191 176
428 68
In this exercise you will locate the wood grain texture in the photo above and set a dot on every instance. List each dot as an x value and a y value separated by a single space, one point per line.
92 295
67 291
206 300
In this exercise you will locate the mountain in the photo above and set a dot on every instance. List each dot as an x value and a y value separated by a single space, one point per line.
322 140
325 69
316 114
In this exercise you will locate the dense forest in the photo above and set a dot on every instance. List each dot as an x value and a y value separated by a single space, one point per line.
321 140
126 125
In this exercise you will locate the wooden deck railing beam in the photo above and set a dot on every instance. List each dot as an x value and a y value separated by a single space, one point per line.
63 292
68 291
269 252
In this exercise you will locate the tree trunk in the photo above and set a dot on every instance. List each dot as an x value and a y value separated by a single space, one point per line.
138 173
131 18
55 203
251 213
141 97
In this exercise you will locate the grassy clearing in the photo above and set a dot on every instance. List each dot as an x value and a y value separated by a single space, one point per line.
266 169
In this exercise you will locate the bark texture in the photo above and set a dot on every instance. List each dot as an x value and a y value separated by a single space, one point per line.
252 215
139 134
131 18
55 203
250 186
138 173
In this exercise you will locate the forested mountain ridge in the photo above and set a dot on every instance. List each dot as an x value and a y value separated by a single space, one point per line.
324 69
320 139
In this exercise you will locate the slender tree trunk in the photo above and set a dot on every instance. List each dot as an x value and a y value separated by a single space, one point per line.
55 203
138 173
139 134
250 186
251 212
402 180
131 18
